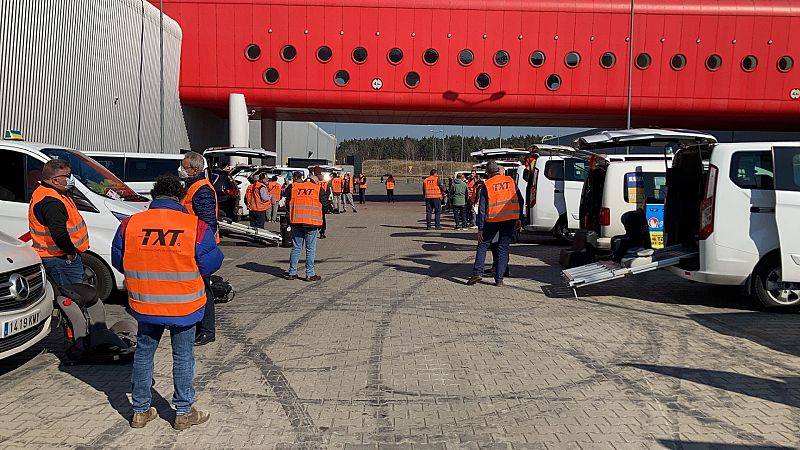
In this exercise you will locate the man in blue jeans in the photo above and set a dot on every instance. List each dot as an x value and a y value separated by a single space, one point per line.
164 253
305 202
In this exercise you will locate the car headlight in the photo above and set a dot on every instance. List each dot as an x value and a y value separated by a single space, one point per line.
120 216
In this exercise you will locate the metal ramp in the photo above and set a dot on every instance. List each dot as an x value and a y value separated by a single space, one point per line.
603 271
227 227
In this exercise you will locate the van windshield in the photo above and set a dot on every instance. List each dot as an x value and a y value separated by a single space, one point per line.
641 186
94 176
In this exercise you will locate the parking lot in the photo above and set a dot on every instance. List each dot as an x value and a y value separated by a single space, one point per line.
391 349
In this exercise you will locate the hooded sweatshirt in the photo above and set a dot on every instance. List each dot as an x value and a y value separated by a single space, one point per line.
459 192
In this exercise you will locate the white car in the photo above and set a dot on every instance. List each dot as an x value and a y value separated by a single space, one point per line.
102 198
26 298
138 170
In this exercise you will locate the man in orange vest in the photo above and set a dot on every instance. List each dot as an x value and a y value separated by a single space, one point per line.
305 202
201 200
433 190
274 189
362 188
499 216
326 189
390 189
348 187
248 195
337 187
58 232
260 201
165 253
472 196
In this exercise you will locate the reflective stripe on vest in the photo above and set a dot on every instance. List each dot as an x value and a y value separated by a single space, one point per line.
503 204
389 184
432 187
248 197
190 193
304 205
255 198
42 240
164 240
274 189
336 185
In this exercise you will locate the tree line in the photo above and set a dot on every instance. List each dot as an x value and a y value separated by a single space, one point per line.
427 148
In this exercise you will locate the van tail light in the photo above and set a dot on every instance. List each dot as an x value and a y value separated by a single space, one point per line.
534 184
605 217
707 205
232 192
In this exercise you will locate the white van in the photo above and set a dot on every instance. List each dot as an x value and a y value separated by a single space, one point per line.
138 170
554 193
26 299
103 199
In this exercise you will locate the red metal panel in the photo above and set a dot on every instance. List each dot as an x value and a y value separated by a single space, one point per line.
315 71
369 70
410 62
457 78
389 74
209 65
438 73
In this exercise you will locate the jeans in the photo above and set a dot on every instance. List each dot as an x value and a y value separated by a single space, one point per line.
147 339
273 213
490 229
309 236
337 202
390 195
260 217
433 205
347 197
63 273
460 213
361 193
208 324
470 214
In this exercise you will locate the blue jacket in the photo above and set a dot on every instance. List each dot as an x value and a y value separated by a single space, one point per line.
483 201
208 256
204 203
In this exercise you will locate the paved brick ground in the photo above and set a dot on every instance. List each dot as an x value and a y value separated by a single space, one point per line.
391 350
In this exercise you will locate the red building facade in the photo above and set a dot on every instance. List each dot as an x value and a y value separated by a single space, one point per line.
726 64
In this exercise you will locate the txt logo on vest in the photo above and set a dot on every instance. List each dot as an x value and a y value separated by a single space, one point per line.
161 238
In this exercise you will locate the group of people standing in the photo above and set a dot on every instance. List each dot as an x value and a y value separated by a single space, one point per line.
262 198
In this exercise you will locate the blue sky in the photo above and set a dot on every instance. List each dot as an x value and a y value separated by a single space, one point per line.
345 131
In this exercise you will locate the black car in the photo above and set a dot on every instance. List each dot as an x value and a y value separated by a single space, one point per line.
227 194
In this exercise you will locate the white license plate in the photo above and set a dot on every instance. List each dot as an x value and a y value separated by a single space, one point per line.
20 324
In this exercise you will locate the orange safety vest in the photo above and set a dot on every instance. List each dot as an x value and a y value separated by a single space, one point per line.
472 189
187 200
390 183
43 242
274 189
248 193
255 198
503 204
304 205
160 267
323 185
432 189
362 185
336 185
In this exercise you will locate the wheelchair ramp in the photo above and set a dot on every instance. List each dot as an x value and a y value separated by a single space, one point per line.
227 227
602 271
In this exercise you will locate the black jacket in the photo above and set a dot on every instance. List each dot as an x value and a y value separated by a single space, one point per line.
51 213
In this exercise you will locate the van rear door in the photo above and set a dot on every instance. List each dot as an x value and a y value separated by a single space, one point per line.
786 162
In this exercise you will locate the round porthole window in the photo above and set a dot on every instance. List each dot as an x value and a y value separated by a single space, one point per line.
785 64
643 61
482 81
678 62
430 56
271 75
359 55
608 60
537 58
411 80
324 54
288 53
465 57
395 55
749 63
341 78
252 52
501 58
713 62
553 82
572 60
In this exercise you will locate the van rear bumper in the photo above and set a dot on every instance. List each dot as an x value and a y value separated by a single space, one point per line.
708 277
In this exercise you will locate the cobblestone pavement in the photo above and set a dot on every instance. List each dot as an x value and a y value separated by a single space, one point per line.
391 350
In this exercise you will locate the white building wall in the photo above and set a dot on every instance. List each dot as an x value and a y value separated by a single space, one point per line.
85 74
303 140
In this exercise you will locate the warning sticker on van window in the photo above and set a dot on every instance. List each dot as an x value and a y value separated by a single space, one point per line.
634 183
655 224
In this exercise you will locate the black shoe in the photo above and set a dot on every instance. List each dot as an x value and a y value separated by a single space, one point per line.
291 277
203 339
322 236
355 211
438 228
314 278
427 228
498 283
473 279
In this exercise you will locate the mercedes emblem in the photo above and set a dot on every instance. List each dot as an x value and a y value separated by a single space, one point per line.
19 286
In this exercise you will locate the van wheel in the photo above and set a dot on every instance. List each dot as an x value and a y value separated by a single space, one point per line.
767 289
97 274
562 232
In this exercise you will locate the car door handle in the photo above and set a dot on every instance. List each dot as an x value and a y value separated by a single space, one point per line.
759 209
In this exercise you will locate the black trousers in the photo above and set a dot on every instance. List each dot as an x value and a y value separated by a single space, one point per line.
361 194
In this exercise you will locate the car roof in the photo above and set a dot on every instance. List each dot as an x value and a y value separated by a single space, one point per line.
134 155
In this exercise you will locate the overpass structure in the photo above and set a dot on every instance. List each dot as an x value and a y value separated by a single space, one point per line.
723 64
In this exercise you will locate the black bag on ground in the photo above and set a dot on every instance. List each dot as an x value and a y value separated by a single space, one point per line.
222 289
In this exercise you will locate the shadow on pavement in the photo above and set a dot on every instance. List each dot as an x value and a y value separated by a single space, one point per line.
696 445
457 273
261 268
783 391
780 332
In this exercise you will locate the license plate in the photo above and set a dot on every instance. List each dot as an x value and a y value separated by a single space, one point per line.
20 324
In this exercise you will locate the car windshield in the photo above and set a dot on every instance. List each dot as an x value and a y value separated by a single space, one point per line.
96 177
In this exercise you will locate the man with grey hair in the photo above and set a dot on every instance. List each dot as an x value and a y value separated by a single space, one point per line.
500 207
201 201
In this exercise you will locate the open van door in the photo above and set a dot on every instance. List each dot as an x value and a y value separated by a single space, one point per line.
786 161
643 137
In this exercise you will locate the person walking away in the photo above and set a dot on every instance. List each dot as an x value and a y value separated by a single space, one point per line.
390 189
499 213
348 187
261 201
274 189
164 253
305 203
248 200
336 188
201 200
58 232
472 199
459 201
325 187
433 190
362 188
